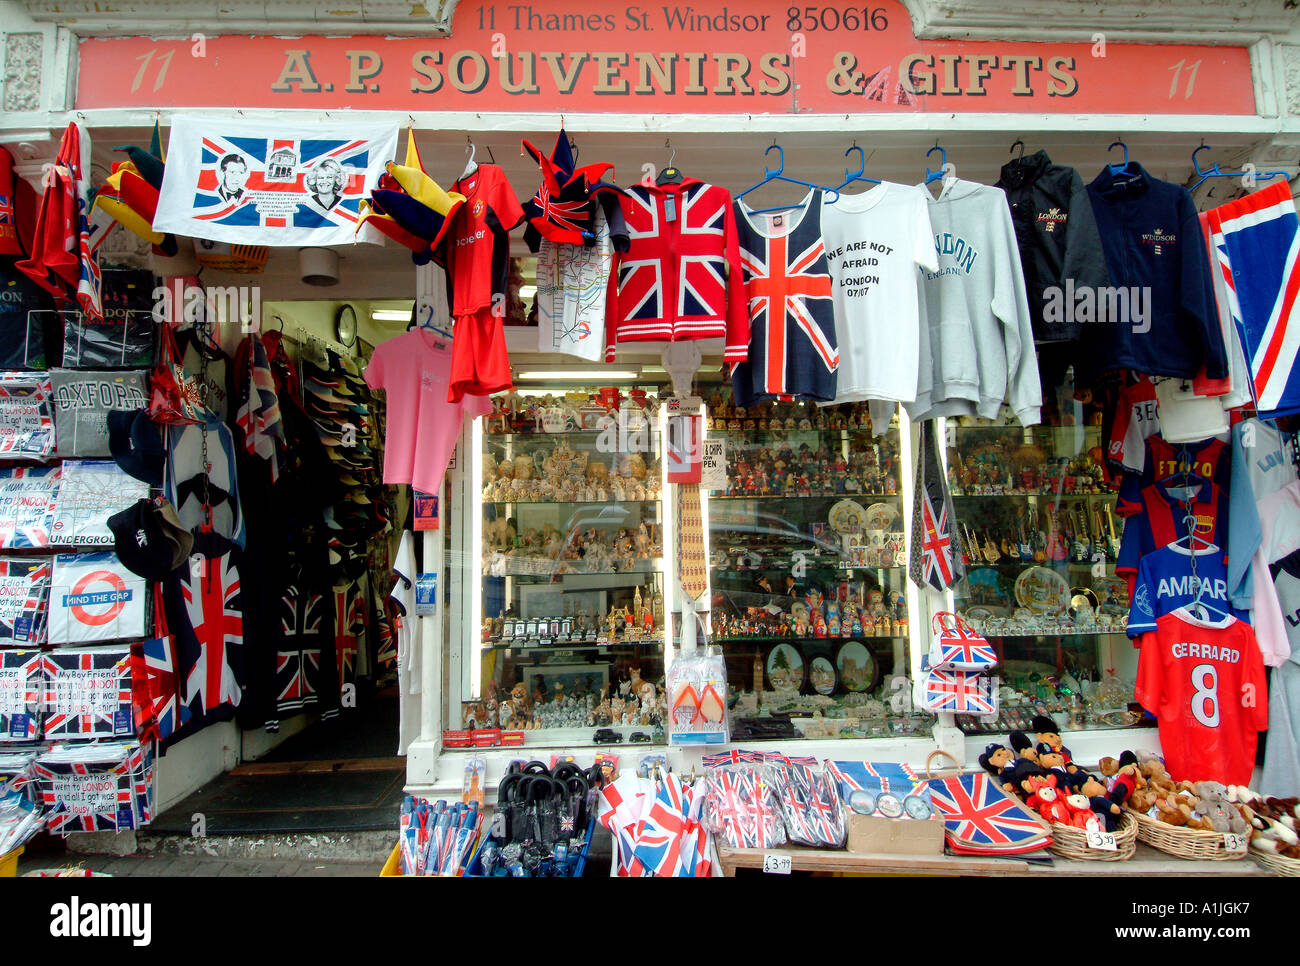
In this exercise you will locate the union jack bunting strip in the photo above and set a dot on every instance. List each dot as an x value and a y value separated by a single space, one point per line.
958 646
22 695
1256 243
271 183
936 554
980 817
24 599
88 693
26 415
963 692
88 788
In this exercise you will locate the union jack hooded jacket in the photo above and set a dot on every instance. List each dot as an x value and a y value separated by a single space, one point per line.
680 278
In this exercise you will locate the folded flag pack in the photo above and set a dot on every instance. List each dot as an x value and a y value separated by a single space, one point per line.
982 819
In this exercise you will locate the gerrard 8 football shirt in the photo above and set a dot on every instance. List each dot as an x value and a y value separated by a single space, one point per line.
1204 682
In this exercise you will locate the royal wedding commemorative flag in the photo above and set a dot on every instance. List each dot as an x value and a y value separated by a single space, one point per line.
1256 245
27 496
24 597
88 692
22 695
93 597
26 416
90 492
271 182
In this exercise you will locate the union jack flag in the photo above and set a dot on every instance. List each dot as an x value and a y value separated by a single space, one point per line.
88 693
387 632
980 817
964 692
349 625
214 608
162 706
1256 243
303 621
22 695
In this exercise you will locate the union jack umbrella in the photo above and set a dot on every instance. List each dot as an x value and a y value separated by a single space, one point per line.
979 817
88 693
958 646
963 692
936 552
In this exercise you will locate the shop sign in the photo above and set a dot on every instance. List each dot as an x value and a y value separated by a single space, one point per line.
703 57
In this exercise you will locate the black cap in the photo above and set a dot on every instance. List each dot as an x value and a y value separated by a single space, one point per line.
149 539
136 445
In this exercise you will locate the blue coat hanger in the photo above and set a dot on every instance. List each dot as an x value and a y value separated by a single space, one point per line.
932 176
860 174
1118 168
778 175
1214 172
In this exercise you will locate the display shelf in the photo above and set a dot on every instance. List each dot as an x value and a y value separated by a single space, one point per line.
791 639
642 567
784 566
1046 494
498 645
806 496
1095 631
814 431
653 502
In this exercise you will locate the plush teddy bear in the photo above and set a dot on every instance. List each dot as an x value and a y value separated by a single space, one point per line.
999 761
1081 814
1107 809
1046 800
1122 774
1046 733
1052 762
1214 806
1023 747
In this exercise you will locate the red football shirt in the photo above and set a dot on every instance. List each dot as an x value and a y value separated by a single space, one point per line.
1204 682
477 246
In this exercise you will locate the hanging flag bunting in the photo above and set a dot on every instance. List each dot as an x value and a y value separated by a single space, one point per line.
936 555
270 182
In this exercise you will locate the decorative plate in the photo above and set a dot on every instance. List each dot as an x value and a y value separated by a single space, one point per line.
821 674
1043 591
856 666
881 516
847 516
785 668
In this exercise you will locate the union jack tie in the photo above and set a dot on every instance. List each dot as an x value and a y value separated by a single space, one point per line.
936 555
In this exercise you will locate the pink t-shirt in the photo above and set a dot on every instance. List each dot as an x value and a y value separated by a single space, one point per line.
422 426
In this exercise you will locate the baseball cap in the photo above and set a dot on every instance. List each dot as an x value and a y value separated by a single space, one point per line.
135 444
149 538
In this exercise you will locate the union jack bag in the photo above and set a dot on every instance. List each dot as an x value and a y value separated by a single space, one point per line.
955 645
961 692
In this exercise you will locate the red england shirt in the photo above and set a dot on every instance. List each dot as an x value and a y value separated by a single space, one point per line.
476 249
1204 682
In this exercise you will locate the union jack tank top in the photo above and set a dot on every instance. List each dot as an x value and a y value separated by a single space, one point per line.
792 348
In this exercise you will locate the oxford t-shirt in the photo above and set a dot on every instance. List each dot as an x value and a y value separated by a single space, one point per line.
875 242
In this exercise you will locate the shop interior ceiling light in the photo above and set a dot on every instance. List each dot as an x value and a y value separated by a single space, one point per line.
391 315
318 266
577 375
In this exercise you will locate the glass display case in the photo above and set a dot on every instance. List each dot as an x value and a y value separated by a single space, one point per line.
810 601
1035 513
572 549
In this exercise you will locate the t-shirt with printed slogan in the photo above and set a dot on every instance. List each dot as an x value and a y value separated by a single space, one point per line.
422 427
476 249
1165 582
1204 682
875 242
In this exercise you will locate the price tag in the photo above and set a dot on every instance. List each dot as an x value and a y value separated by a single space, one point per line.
777 864
1105 841
1234 842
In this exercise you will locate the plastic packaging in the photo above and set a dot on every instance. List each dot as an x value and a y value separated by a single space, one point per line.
743 806
697 698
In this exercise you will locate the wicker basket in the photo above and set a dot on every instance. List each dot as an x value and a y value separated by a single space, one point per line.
1185 843
1277 864
1072 843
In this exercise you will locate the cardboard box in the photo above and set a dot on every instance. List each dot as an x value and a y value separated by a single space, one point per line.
895 836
